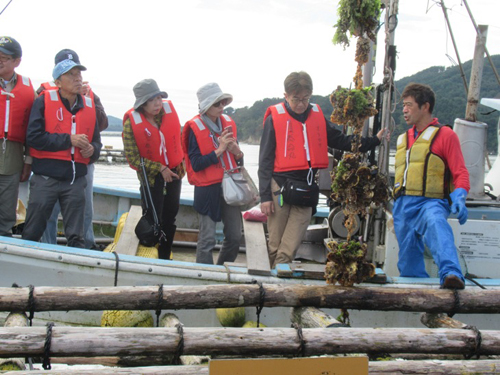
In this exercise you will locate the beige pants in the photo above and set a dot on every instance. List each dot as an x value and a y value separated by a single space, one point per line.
287 226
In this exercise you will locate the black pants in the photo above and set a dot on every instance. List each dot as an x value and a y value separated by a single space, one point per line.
167 207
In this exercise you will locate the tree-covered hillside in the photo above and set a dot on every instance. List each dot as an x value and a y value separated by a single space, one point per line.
114 124
451 102
451 99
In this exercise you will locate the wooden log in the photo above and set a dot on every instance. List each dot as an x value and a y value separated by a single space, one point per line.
171 320
434 367
312 317
440 321
483 367
14 319
90 341
177 297
168 370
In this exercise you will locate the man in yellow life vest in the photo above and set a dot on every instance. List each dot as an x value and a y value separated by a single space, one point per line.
429 163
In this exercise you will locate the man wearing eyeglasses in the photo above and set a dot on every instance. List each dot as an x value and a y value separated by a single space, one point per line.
16 99
294 145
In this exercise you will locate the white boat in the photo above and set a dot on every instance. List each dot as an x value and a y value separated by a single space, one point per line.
38 264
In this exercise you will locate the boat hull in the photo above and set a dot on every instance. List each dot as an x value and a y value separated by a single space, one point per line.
29 263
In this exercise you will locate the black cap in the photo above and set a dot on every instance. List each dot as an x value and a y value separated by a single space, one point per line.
10 47
66 54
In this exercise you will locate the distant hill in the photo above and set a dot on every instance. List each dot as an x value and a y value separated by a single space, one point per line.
451 99
447 83
114 124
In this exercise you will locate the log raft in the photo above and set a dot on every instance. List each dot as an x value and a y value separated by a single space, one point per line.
90 341
177 297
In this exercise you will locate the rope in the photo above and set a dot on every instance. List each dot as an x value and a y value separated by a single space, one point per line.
470 278
180 346
477 343
117 262
31 304
456 303
262 296
160 303
48 340
228 272
338 325
302 343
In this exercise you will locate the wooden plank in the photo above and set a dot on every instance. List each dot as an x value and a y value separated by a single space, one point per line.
256 248
128 241
186 235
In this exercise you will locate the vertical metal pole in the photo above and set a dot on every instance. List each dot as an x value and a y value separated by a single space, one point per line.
476 74
386 119
368 80
391 16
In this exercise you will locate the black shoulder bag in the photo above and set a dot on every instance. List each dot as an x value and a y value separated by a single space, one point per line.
148 230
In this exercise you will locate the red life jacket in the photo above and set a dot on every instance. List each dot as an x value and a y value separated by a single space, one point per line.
291 152
15 109
59 120
149 138
49 86
214 173
52 86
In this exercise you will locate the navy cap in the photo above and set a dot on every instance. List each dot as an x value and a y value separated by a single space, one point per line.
66 54
10 47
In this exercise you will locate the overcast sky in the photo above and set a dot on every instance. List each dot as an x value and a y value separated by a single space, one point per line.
247 46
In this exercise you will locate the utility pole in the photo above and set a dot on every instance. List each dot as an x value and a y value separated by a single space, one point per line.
472 134
476 74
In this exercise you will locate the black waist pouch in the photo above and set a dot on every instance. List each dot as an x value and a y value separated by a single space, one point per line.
300 193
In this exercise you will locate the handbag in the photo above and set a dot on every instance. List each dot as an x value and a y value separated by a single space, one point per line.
237 189
300 193
148 229
147 232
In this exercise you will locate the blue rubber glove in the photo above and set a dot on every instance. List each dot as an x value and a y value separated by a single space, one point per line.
458 205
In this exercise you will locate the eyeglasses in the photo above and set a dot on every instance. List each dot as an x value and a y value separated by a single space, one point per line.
222 102
5 58
303 100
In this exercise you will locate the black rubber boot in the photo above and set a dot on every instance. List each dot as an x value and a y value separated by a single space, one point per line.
165 248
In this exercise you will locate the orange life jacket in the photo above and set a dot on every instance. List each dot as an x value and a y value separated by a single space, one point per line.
15 109
292 148
160 145
215 172
52 86
59 120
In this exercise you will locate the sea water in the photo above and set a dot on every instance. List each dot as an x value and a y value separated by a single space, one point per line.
122 176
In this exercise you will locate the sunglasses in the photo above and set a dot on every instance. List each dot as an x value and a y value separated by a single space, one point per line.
222 102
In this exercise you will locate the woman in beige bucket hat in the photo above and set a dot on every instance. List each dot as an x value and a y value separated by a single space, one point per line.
209 141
